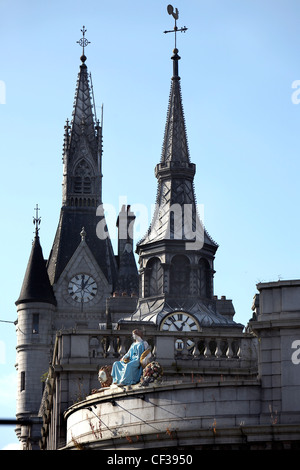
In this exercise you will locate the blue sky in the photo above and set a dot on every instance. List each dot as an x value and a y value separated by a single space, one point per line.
238 63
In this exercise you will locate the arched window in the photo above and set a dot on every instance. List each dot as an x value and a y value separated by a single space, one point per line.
180 275
82 181
154 276
204 278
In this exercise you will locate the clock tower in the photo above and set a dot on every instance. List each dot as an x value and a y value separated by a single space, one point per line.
176 255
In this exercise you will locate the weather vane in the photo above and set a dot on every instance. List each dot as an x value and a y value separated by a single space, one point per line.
83 42
36 220
175 15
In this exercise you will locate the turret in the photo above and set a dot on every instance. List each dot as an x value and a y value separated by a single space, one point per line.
35 306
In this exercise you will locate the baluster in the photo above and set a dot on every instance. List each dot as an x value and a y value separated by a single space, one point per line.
229 352
110 349
195 351
218 351
207 352
185 351
104 344
122 347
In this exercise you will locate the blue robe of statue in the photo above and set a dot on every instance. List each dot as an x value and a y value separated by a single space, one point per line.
129 373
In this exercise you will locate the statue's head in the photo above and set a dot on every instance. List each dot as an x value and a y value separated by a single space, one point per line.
137 334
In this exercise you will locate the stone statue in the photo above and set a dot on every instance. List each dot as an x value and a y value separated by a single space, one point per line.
129 369
104 376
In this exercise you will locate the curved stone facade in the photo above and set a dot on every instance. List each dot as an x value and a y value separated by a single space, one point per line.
168 415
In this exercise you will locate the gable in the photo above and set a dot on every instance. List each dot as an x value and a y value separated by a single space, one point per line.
82 263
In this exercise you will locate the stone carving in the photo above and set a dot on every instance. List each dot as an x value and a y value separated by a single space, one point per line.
152 373
104 377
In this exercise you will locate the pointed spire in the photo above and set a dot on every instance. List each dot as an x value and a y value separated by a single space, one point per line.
175 173
82 147
82 183
36 285
175 146
83 116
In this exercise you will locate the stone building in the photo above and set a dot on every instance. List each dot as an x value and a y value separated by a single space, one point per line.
224 385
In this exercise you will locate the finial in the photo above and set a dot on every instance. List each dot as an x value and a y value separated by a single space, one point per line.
37 220
67 126
175 15
83 42
83 234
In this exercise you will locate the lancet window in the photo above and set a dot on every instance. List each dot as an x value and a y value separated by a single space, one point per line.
82 178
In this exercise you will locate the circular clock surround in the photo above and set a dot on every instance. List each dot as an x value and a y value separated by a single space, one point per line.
179 321
82 288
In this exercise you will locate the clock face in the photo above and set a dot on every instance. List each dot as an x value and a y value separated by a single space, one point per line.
179 321
82 288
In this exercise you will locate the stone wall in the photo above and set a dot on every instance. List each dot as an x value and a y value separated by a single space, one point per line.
166 415
277 324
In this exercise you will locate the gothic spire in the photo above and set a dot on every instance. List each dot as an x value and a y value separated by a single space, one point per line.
82 182
82 150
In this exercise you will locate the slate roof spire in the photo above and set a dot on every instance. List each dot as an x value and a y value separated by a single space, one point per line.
175 144
82 150
82 182
175 173
36 285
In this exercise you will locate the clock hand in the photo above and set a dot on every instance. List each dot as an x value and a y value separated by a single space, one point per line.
87 287
173 323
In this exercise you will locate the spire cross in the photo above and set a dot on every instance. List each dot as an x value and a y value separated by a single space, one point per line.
36 220
175 15
83 42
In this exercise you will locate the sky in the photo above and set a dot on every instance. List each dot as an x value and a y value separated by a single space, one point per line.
239 68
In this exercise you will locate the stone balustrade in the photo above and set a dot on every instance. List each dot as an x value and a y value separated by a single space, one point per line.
113 344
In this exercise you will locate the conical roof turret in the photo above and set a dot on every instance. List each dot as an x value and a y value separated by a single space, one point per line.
36 286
